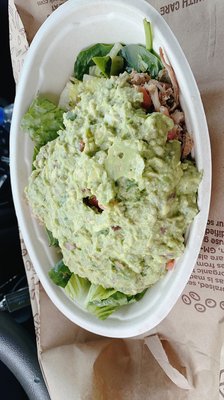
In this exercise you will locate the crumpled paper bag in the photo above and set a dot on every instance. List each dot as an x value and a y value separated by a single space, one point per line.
183 357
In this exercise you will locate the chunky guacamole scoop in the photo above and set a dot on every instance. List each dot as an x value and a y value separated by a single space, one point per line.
112 189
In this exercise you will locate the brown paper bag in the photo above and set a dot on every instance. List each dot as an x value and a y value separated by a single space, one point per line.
183 358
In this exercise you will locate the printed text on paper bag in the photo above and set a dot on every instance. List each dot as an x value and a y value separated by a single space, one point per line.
178 5
54 3
208 272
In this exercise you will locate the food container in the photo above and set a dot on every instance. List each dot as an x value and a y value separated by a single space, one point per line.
48 65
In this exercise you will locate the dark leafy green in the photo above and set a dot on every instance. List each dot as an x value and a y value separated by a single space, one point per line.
117 65
104 64
109 65
133 56
143 58
84 59
60 274
51 240
140 59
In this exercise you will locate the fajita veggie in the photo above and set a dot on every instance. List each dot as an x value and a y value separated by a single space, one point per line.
113 181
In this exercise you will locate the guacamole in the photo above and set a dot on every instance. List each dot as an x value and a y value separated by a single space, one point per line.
112 189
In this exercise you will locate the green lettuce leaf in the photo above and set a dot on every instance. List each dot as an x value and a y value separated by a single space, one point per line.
98 301
103 302
42 122
101 312
77 288
60 274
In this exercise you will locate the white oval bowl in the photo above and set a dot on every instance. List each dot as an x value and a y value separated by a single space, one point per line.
48 65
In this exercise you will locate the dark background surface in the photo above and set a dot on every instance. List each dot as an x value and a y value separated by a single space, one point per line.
9 240
12 267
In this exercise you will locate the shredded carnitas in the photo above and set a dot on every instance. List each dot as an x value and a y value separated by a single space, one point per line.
162 95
